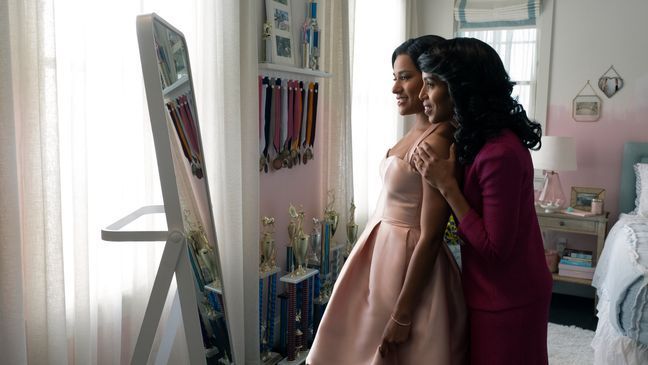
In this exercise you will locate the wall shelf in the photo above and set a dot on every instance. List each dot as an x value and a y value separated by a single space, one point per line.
265 66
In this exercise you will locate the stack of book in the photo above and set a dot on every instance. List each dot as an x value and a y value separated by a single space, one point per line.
576 264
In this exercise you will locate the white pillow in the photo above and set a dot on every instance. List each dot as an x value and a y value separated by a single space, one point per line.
641 202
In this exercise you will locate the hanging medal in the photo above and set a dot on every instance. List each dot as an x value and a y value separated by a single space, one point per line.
276 141
311 142
287 160
273 120
294 150
263 86
304 123
267 122
308 154
284 122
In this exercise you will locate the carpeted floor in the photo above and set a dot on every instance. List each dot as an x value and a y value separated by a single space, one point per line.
569 345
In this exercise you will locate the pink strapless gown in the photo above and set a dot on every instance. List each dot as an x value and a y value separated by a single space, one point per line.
366 291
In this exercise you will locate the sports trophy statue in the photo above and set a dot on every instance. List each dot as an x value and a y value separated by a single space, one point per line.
298 239
299 283
330 215
316 241
267 292
268 249
351 230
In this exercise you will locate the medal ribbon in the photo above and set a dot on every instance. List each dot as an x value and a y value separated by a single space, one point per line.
277 123
262 116
309 127
297 115
291 105
304 121
270 106
284 114
312 138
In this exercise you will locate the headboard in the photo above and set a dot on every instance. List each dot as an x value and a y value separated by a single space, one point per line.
633 152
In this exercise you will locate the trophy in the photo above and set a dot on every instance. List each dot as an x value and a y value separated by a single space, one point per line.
316 241
351 229
268 249
298 239
330 214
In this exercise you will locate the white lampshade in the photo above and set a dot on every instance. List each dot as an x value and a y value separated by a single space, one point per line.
556 154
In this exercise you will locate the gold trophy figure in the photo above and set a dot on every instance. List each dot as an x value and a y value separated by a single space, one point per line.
351 230
315 241
268 249
298 238
330 215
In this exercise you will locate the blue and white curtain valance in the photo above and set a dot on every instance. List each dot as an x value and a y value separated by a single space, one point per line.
472 14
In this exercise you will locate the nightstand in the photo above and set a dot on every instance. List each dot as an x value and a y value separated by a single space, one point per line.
593 226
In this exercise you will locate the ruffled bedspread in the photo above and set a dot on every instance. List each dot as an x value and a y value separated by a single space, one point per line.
621 281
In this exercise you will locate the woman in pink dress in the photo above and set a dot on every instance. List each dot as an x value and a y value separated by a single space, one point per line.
398 299
505 278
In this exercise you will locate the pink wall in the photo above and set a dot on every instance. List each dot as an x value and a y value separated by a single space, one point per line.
583 48
299 186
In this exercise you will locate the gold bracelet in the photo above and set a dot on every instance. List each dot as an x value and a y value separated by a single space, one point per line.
400 323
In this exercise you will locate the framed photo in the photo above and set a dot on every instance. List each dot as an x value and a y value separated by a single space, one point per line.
283 47
586 108
581 197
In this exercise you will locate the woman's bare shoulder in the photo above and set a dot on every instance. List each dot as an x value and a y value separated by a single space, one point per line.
441 139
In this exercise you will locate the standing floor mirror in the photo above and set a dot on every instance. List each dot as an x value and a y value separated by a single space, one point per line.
191 251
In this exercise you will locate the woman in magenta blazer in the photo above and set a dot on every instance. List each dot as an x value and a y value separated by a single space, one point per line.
506 282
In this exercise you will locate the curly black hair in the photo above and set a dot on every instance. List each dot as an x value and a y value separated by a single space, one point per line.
481 90
414 47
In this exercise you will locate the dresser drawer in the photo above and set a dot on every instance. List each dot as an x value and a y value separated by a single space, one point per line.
572 225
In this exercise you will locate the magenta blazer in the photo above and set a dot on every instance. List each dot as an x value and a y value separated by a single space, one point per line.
503 261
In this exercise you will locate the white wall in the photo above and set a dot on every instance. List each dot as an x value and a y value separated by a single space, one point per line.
436 17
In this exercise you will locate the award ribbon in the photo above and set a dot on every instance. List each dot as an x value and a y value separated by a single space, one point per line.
309 127
271 127
267 122
312 138
304 119
263 90
294 154
276 141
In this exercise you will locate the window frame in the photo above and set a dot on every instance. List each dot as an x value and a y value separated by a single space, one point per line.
544 31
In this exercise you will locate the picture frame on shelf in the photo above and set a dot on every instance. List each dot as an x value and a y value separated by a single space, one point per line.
581 197
586 108
278 15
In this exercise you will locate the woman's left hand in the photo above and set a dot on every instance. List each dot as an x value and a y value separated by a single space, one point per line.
437 171
393 335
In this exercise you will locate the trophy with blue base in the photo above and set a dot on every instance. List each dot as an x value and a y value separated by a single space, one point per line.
268 272
298 283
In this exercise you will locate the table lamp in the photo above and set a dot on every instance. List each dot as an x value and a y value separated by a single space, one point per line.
556 154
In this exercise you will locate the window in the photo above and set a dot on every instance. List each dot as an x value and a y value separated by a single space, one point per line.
517 47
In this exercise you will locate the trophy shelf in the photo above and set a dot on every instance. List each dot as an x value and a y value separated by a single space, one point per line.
266 66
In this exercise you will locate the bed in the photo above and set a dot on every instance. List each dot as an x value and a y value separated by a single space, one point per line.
621 277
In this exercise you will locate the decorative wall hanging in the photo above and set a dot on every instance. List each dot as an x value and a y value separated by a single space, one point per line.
278 15
610 82
586 107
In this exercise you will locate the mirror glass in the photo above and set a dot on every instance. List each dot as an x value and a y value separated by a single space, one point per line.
191 179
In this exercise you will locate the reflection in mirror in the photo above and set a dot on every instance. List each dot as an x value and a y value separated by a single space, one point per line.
191 180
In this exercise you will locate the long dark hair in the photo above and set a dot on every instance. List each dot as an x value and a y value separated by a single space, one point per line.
481 91
414 47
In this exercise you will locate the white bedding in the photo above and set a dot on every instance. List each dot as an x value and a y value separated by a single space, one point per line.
621 281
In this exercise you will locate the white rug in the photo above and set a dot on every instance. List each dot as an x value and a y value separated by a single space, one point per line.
569 345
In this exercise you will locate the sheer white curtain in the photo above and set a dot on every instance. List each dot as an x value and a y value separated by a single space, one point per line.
376 31
77 154
336 148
